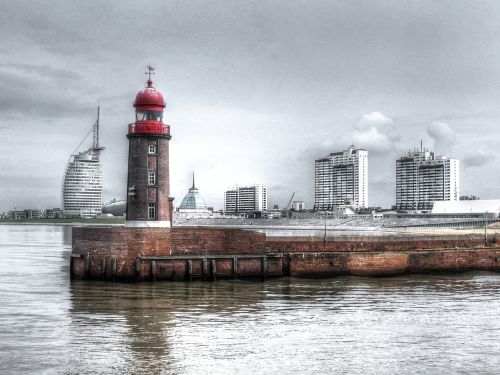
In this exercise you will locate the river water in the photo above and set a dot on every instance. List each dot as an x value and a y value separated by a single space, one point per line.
412 324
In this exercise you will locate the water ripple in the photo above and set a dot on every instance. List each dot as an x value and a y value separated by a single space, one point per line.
419 324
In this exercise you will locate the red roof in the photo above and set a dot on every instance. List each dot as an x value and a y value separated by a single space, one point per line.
149 98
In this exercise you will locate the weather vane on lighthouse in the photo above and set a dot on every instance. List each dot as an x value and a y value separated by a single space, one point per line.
150 72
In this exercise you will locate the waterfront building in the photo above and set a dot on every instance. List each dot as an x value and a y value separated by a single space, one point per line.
245 199
115 208
476 207
340 179
193 205
34 214
148 198
82 182
17 214
298 206
272 214
469 198
423 178
54 213
231 200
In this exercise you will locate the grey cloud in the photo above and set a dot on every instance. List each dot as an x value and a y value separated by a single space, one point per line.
443 136
45 71
46 96
478 159
375 132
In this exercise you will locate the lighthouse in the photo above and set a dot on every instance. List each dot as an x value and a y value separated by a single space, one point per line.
148 198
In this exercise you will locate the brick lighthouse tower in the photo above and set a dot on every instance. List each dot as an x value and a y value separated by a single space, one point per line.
148 200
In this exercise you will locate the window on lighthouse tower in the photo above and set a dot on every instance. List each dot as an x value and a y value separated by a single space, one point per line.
151 211
152 178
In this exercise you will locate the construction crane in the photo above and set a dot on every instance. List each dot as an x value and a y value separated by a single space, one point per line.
286 210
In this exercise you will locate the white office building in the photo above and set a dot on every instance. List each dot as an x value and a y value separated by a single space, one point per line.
423 178
298 205
241 199
341 179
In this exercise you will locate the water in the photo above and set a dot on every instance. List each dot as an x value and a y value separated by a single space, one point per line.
412 325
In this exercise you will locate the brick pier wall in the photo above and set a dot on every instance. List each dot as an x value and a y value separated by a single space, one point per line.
140 254
391 263
111 252
372 243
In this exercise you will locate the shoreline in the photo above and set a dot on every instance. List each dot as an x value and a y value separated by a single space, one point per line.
69 224
492 230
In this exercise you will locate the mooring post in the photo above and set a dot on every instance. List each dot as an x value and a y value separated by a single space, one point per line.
235 267
204 268
189 267
71 267
285 264
153 270
113 269
103 268
213 270
264 268
137 269
87 266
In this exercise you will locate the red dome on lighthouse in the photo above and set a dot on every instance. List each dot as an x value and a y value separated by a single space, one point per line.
149 98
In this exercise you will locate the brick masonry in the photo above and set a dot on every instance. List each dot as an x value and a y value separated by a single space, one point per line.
140 163
112 253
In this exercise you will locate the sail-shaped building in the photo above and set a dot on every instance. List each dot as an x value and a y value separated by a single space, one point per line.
82 182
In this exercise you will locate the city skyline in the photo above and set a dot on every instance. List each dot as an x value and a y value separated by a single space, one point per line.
255 92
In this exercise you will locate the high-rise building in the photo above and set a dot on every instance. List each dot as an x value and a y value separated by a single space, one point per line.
341 178
423 178
82 182
251 198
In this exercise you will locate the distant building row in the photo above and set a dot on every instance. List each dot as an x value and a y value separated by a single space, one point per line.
422 178
49 213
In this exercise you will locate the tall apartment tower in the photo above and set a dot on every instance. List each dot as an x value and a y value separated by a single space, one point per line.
423 178
82 182
148 200
341 178
252 198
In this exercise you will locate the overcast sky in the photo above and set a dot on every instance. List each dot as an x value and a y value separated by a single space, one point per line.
255 90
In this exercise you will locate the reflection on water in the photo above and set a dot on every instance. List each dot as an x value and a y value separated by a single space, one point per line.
432 324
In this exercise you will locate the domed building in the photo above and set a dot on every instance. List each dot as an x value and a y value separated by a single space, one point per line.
193 205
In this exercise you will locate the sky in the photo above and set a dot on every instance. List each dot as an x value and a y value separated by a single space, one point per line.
255 90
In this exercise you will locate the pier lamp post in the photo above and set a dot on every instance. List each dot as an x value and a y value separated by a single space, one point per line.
324 236
485 229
